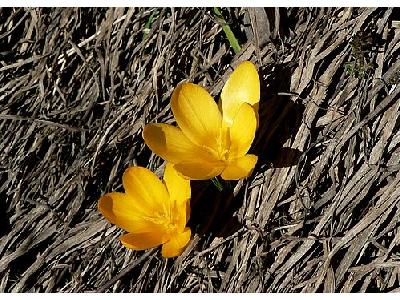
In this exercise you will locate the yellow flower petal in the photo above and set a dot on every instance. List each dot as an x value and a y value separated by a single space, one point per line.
141 183
178 187
243 86
177 243
242 131
180 214
179 192
142 241
240 168
124 211
197 114
171 144
200 170
151 214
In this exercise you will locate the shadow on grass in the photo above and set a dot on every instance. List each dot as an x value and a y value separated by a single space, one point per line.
280 119
213 210
5 225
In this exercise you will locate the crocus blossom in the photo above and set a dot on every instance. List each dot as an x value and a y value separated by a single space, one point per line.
211 139
153 212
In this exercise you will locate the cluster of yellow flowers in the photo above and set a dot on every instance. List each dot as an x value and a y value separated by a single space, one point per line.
211 140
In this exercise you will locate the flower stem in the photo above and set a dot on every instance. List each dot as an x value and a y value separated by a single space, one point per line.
147 26
228 32
217 184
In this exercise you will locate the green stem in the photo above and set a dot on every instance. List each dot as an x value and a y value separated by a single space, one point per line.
217 184
228 32
147 26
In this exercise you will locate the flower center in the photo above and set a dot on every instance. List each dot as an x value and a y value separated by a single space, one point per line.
164 220
221 149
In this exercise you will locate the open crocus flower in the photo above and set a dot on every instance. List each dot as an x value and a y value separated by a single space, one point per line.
151 211
211 139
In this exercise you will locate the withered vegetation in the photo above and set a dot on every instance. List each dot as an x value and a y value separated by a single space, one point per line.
321 211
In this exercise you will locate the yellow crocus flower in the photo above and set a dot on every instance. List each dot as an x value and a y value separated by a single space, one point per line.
153 212
211 139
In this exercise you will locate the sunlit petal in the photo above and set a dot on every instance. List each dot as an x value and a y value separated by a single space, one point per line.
124 212
243 86
242 131
142 241
200 170
178 187
179 192
240 168
141 183
176 245
170 143
180 213
197 114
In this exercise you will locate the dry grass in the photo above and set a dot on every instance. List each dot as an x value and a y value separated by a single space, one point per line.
321 211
